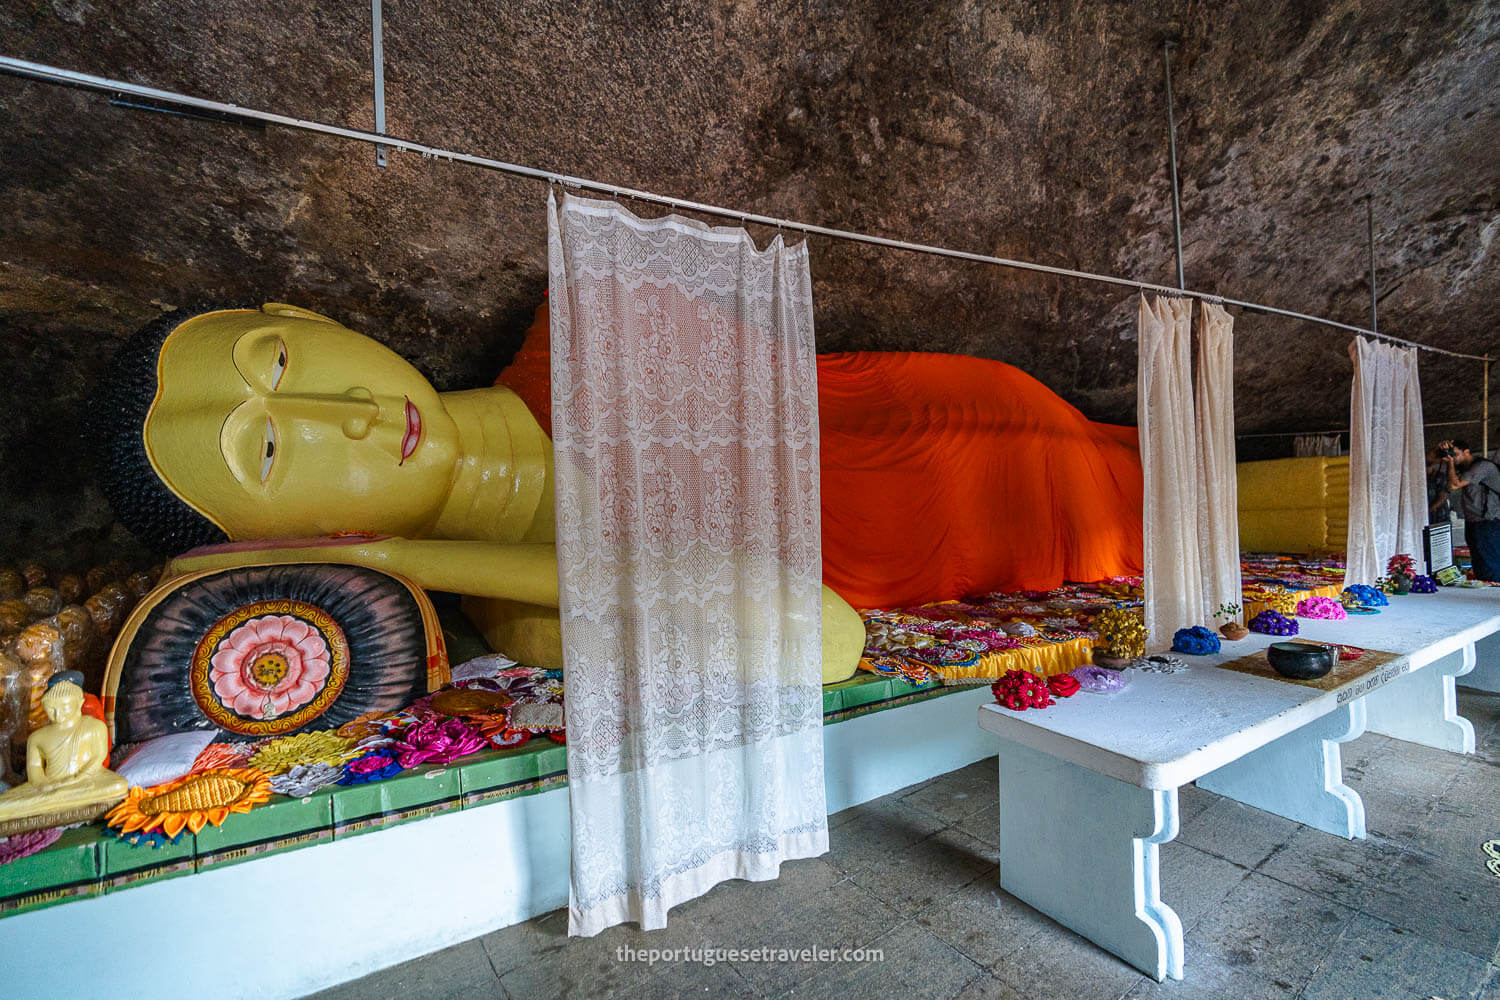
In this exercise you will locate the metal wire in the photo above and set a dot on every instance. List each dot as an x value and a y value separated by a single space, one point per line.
53 74
1342 430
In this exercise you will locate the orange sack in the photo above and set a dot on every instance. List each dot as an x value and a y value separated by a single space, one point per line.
945 475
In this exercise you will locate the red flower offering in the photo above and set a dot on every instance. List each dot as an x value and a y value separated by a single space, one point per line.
1063 686
1019 690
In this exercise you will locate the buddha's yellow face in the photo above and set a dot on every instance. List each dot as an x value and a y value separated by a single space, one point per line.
281 423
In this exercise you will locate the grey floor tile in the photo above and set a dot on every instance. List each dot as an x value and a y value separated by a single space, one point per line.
954 796
1374 960
1330 865
460 971
1460 908
1067 965
882 828
1268 929
913 965
991 987
1395 816
1210 976
840 915
983 921
1358 754
930 870
1411 769
982 824
1236 832
874 806
736 905
1466 817
691 978
1481 708
1194 883
1488 749
1193 802
560 966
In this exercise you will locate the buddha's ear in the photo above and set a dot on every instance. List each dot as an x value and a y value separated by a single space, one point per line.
295 312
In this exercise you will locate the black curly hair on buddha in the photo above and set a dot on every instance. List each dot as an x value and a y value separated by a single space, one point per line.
116 420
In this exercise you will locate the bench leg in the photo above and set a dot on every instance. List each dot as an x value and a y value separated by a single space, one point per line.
1301 776
1422 706
1082 848
1486 675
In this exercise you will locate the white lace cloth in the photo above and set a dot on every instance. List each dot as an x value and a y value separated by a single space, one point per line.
1387 472
1169 463
1218 503
685 433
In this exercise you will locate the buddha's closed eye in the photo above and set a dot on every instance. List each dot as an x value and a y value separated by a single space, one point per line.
268 451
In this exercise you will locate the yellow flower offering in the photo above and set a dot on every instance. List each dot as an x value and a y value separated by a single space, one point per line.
280 756
1122 631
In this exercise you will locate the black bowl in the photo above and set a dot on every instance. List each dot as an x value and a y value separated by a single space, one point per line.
1301 661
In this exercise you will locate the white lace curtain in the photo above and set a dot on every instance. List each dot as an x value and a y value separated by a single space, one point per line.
1218 481
1169 462
1192 561
685 431
1387 471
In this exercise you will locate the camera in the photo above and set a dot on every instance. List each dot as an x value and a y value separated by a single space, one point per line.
1447 451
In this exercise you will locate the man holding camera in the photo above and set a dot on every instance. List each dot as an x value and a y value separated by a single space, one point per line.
1480 504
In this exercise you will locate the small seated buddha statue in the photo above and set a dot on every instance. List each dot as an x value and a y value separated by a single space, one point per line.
66 777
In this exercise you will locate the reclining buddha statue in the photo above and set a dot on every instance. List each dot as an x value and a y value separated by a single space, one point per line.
271 427
274 427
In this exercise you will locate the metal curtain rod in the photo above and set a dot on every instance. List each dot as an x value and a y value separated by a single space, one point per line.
53 74
1342 430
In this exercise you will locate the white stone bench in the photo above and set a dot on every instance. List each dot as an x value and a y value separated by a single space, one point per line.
1088 787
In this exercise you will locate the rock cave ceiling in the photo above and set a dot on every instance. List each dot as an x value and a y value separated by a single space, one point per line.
1026 130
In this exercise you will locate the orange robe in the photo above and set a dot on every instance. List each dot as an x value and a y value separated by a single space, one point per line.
945 475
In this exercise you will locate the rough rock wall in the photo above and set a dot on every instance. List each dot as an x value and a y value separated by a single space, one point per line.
1031 130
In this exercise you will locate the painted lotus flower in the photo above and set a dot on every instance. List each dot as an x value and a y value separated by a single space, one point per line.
270 666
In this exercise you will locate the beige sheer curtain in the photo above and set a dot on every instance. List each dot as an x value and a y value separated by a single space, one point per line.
1218 486
1387 472
689 552
1164 404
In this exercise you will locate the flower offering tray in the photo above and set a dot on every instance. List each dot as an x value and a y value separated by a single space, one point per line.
1342 673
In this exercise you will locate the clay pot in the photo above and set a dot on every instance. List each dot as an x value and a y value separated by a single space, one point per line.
1402 583
1233 631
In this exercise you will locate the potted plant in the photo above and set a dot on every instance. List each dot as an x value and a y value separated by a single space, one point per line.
1231 629
1402 570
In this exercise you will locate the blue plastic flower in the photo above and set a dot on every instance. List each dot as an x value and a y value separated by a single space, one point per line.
1423 585
377 765
1369 596
1195 641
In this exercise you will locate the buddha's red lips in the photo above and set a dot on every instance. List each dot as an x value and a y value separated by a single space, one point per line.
413 432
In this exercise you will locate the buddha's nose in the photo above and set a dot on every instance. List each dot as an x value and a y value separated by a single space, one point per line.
355 409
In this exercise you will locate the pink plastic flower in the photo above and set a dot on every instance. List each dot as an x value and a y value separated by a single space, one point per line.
1320 607
433 742
270 666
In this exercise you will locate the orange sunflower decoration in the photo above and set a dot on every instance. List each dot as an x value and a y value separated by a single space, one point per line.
192 801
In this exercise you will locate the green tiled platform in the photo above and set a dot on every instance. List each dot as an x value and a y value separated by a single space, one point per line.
88 861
